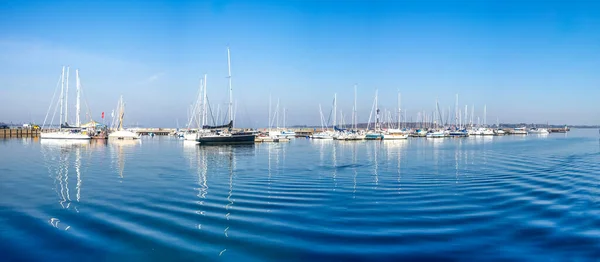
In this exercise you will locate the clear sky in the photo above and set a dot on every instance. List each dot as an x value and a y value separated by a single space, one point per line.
528 61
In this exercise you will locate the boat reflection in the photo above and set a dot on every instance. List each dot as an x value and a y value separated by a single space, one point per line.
63 160
396 148
119 149
216 160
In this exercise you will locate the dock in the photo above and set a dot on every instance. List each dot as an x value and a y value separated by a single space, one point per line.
19 132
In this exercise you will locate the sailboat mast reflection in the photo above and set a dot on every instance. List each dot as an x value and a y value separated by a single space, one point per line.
57 158
354 169
78 171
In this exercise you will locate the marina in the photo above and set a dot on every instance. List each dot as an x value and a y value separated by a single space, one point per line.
299 131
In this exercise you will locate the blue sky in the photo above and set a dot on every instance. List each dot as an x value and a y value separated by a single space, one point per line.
528 61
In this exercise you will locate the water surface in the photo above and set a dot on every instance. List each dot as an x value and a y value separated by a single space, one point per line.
478 198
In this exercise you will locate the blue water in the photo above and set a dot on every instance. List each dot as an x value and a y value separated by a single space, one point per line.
479 198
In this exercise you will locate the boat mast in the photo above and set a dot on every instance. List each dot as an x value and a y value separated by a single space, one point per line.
465 119
399 110
334 110
376 112
121 113
269 122
77 104
472 115
230 88
67 98
485 115
277 114
62 92
354 118
456 114
204 106
321 116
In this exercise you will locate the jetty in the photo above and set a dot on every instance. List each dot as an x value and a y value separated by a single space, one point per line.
19 132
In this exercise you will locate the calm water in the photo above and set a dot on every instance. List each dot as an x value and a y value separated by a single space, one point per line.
480 198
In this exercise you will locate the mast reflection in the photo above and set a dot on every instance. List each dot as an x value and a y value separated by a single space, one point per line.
118 149
59 156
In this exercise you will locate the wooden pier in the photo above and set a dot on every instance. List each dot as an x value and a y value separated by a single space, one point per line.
19 132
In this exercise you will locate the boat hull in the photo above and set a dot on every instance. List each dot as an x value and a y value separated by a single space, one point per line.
226 140
123 135
395 137
64 135
374 137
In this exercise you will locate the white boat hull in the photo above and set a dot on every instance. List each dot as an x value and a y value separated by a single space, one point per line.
394 136
64 135
124 135
190 137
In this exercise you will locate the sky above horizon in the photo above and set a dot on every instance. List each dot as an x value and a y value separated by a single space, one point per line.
526 61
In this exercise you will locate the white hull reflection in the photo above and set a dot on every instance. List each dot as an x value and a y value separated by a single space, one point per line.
64 142
64 135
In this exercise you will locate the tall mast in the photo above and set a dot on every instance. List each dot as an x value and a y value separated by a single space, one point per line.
67 98
77 104
121 113
269 123
62 93
277 114
472 114
354 117
284 118
465 119
230 88
437 108
334 110
456 114
376 112
204 105
484 115
399 110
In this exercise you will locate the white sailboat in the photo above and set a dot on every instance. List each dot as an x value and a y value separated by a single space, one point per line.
324 134
121 133
435 132
538 131
66 131
396 133
197 114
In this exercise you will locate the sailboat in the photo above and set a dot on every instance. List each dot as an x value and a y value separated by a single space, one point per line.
66 131
197 113
396 133
324 134
226 137
435 132
499 131
538 131
121 133
376 133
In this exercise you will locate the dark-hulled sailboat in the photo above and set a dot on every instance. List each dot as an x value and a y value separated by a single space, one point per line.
219 136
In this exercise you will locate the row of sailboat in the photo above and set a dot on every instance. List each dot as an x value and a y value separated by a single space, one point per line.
388 130
67 130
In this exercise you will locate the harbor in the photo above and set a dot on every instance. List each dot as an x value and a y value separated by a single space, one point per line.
269 131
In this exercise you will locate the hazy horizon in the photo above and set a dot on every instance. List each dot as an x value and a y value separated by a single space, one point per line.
527 61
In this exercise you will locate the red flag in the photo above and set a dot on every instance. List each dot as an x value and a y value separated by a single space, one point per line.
102 115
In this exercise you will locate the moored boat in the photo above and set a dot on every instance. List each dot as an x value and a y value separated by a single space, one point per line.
121 133
435 134
394 134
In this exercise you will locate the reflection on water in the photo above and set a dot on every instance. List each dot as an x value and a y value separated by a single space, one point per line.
119 150
303 199
61 159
